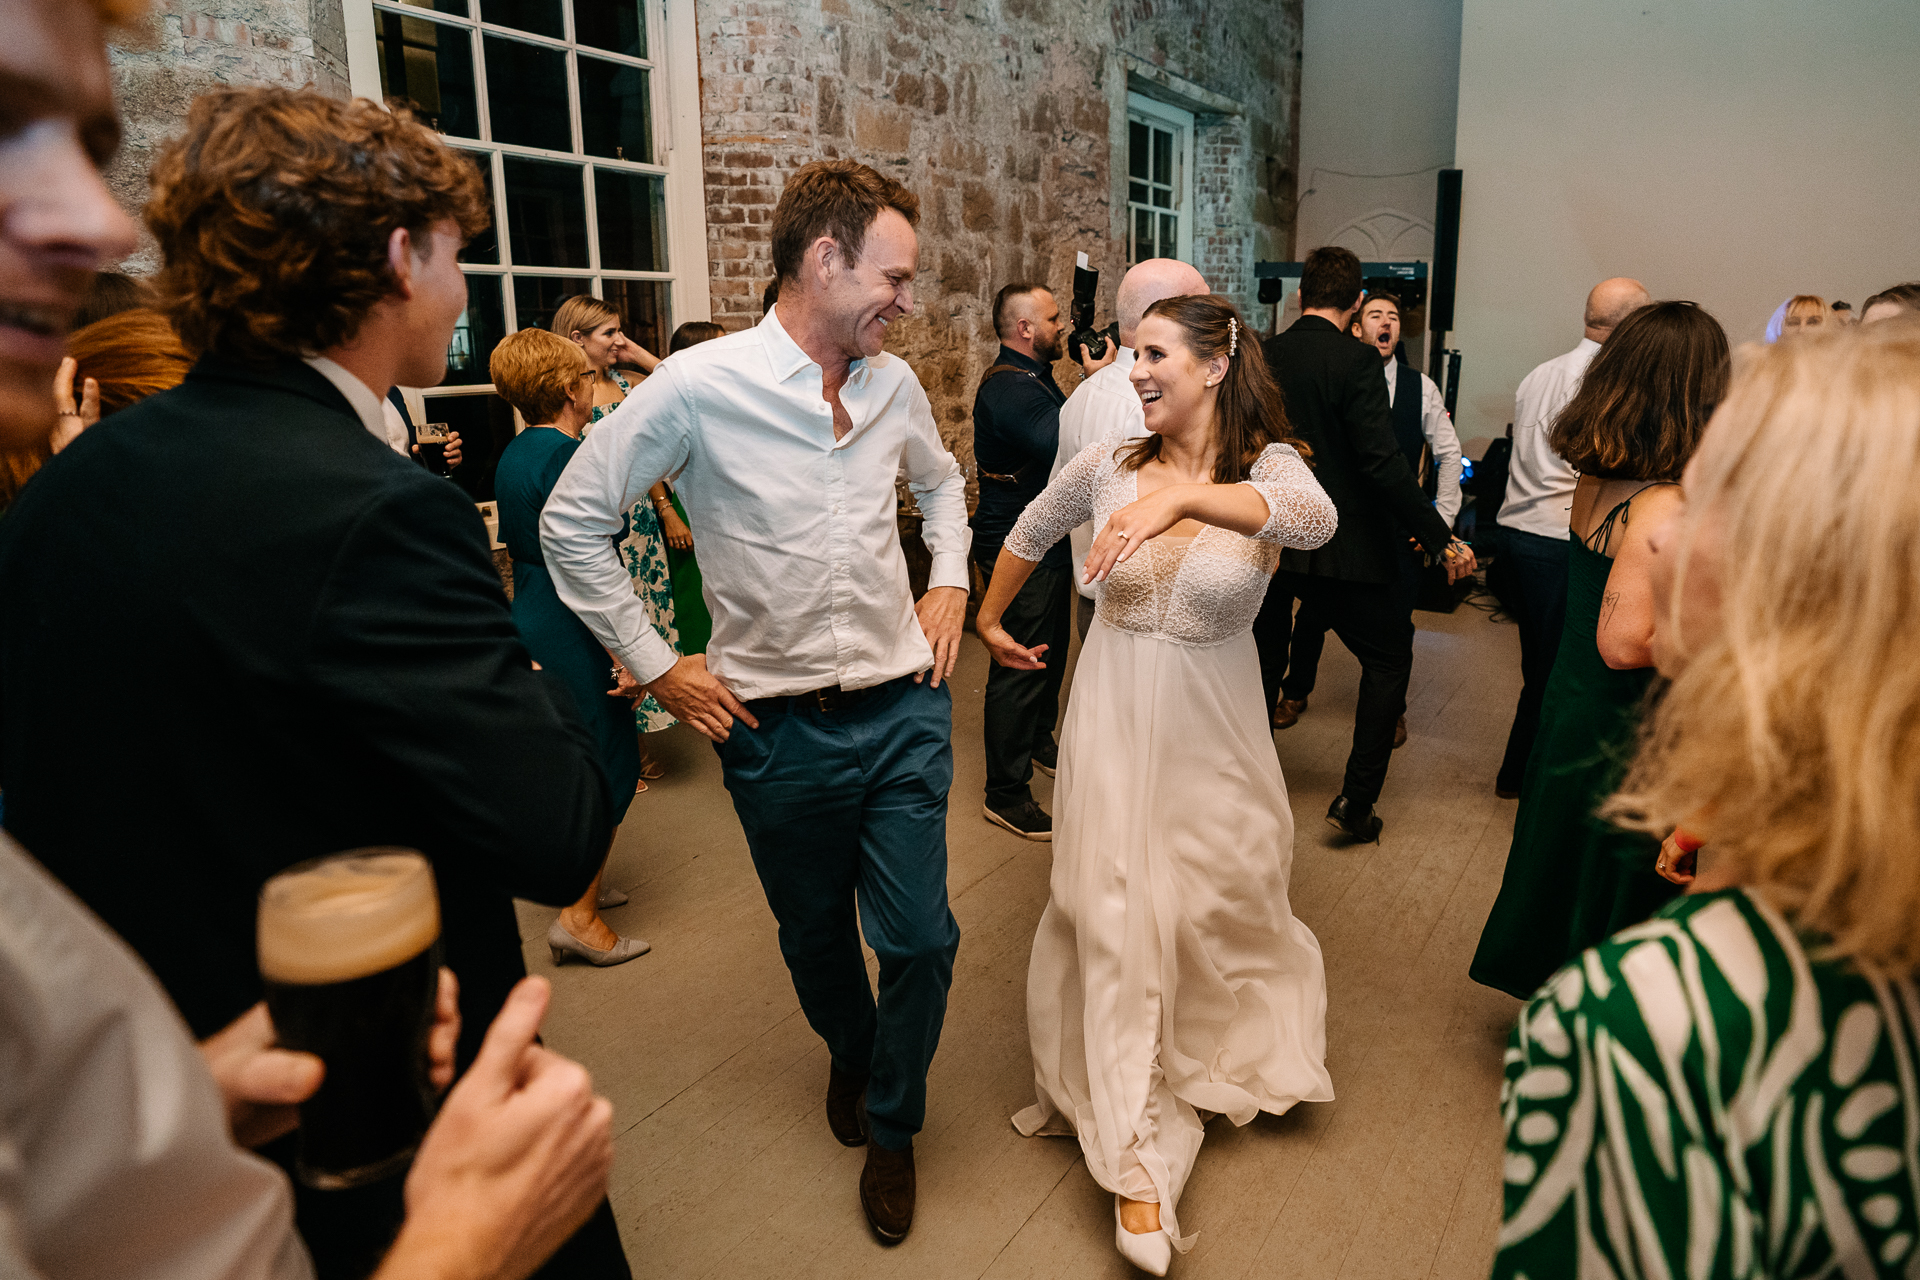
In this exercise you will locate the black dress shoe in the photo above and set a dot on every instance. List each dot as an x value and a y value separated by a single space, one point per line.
887 1191
847 1106
1356 819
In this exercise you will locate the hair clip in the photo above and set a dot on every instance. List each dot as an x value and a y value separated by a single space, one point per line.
1233 336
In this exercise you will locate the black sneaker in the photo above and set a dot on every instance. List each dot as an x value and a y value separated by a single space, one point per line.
1026 820
1047 759
1355 819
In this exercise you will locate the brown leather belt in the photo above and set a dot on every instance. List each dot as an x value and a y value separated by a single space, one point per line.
829 700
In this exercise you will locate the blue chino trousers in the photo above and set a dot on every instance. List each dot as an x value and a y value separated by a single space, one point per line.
846 817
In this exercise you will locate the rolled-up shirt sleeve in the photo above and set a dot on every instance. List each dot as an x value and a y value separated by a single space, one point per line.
940 487
636 446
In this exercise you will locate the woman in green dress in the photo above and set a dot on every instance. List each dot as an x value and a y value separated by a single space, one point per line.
689 603
1571 878
653 524
1732 1088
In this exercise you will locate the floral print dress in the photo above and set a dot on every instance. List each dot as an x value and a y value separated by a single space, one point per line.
644 551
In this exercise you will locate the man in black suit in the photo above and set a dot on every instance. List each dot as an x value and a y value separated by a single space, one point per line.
1364 579
241 631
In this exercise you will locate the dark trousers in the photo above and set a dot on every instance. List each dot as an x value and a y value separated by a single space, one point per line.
1536 584
1021 706
846 817
1375 622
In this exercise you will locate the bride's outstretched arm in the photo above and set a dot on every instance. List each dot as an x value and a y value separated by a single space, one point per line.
1010 573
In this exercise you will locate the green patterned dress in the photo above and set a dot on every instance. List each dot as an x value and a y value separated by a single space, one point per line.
1696 1098
644 551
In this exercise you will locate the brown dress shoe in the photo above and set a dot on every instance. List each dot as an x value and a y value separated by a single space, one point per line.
1400 734
887 1191
847 1106
1287 714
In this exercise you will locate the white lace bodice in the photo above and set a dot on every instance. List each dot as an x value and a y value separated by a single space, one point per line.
1202 590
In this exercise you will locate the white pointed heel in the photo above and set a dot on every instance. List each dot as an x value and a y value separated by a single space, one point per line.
1151 1251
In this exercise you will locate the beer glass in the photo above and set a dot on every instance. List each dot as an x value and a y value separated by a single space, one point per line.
350 951
432 439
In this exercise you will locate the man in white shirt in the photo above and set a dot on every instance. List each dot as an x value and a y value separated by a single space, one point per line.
1432 448
1105 407
1533 517
784 441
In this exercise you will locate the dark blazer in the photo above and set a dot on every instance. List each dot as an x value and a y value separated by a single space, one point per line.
1337 402
239 632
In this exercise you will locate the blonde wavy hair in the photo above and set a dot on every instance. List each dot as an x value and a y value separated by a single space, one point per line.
1790 741
536 372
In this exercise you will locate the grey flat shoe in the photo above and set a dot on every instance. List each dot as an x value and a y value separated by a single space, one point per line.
564 945
609 898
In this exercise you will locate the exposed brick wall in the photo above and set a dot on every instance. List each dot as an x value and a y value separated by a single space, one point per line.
1007 118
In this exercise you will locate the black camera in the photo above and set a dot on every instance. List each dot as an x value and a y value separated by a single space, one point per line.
1086 284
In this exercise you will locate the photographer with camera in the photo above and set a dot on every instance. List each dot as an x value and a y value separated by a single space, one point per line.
1016 430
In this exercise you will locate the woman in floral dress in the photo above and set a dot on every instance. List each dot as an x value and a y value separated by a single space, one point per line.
653 524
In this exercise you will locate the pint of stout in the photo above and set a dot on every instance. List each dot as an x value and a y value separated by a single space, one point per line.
349 948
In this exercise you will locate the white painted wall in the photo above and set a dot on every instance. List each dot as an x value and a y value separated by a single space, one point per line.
1378 90
1730 153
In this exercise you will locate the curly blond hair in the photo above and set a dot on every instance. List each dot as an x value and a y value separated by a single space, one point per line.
274 209
536 372
1790 740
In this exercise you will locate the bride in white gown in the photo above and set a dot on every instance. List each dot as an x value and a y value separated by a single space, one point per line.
1169 979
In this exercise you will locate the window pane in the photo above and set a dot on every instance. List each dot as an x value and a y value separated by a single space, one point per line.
485 424
456 7
632 211
430 65
536 298
527 94
1169 236
484 247
616 115
614 25
1143 236
542 17
1137 192
642 305
1162 154
478 332
546 213
1137 148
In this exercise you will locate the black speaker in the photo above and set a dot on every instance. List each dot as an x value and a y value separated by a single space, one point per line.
1272 289
1446 252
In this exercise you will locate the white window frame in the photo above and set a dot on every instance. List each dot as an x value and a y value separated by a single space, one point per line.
674 85
1178 122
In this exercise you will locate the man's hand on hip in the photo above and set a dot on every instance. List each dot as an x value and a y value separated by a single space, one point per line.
690 693
942 613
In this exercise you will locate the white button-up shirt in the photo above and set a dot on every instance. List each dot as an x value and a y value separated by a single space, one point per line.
1441 438
1539 481
1103 407
798 533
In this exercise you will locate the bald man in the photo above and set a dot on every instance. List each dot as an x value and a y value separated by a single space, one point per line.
1105 406
1533 518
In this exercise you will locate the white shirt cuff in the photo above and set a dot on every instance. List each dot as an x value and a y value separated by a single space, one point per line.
949 570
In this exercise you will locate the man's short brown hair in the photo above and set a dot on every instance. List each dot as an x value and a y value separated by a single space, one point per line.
838 198
274 209
536 372
1330 279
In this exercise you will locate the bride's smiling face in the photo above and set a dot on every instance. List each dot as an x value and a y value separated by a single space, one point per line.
1170 380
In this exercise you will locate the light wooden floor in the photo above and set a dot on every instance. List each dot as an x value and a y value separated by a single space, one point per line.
725 1167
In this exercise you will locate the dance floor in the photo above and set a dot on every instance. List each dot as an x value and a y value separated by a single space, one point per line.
724 1165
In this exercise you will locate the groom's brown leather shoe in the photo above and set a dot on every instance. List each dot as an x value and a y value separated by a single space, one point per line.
887 1191
1287 713
847 1107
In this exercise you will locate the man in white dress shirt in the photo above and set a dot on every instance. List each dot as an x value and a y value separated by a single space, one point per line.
1534 516
1427 437
1105 406
784 441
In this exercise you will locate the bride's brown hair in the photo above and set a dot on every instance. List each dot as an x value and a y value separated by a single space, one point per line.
1250 413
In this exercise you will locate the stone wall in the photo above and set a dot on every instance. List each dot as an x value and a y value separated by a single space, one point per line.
1008 119
186 47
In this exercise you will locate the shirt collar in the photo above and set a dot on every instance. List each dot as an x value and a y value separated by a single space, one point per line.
788 358
1392 367
366 403
1586 344
1019 361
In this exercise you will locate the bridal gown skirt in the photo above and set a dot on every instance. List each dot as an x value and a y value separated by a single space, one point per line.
1169 977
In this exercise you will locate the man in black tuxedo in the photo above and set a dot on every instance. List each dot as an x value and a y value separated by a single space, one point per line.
241 631
1365 578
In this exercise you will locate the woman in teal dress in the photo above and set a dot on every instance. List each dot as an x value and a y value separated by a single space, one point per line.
1572 878
1732 1088
545 378
594 327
